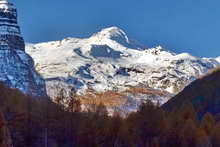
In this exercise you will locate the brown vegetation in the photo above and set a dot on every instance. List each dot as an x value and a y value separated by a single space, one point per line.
108 98
137 90
117 99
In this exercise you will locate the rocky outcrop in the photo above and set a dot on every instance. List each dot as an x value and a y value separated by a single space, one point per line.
16 67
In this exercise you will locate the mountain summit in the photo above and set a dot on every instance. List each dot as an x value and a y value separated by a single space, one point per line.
16 67
117 36
112 32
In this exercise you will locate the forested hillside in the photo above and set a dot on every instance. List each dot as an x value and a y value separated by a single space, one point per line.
41 123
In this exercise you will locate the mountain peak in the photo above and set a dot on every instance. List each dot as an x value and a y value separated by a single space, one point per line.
117 35
112 30
9 30
113 33
4 4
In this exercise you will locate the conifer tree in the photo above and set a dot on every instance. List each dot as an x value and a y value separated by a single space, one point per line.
208 123
5 140
215 135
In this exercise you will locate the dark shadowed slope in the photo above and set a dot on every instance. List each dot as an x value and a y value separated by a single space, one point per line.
203 93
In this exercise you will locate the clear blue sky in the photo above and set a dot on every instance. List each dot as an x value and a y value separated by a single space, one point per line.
180 25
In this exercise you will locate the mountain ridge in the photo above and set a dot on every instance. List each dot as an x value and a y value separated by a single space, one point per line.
105 64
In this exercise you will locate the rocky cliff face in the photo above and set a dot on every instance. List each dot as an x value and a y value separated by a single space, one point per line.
16 67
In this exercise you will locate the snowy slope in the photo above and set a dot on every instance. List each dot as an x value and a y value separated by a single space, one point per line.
218 59
109 60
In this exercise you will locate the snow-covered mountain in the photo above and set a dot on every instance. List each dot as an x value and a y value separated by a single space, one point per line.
16 67
110 61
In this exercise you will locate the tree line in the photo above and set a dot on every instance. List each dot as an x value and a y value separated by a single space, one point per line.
42 123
